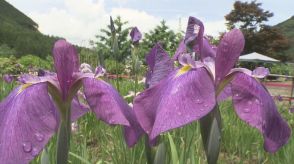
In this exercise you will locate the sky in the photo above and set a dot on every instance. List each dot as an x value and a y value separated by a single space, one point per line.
79 21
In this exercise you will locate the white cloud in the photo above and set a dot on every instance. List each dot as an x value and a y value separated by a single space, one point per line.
79 21
141 19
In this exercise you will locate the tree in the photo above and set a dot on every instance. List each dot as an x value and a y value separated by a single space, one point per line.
104 44
259 37
164 35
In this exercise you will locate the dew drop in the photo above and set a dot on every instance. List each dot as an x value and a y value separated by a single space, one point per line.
199 101
257 101
179 113
27 147
246 110
237 95
35 152
39 137
111 121
205 105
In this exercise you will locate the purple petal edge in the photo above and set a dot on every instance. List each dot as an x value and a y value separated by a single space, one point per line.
254 105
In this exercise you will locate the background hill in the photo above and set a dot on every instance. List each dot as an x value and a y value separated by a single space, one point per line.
19 34
287 28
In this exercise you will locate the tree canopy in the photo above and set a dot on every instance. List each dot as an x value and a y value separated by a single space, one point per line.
259 37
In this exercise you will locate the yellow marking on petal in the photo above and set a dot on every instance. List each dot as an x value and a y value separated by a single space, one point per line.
23 87
183 70
98 78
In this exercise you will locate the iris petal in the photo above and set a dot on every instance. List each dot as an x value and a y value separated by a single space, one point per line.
194 33
180 50
105 101
66 62
27 121
255 105
207 50
228 53
159 65
135 35
175 101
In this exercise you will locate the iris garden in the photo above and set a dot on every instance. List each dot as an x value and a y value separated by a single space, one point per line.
194 107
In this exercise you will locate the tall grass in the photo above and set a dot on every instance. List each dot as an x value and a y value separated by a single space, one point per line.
95 142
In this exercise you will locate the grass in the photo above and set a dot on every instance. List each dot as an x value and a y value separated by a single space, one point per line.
97 143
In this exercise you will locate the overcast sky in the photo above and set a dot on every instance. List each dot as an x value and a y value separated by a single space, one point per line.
80 20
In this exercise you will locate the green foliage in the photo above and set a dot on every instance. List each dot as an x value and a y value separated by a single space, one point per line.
31 61
111 68
6 51
259 37
282 69
90 56
164 35
286 28
104 43
10 66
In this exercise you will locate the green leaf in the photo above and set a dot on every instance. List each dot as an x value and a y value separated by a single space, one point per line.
160 154
45 159
81 158
211 134
174 153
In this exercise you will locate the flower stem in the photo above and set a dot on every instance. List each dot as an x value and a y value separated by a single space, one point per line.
210 127
148 151
63 138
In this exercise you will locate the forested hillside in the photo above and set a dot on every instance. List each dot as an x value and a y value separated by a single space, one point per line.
19 34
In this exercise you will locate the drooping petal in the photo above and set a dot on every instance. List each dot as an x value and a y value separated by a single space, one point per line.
66 62
159 65
133 132
78 109
135 35
28 119
225 93
228 52
180 50
194 33
254 105
175 101
105 101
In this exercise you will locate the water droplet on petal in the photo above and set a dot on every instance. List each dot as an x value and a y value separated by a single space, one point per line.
199 101
147 132
246 110
257 101
205 105
39 137
201 109
27 147
111 121
179 113
35 152
237 95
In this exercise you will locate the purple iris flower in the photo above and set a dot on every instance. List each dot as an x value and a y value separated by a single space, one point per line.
136 35
192 91
31 113
8 78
